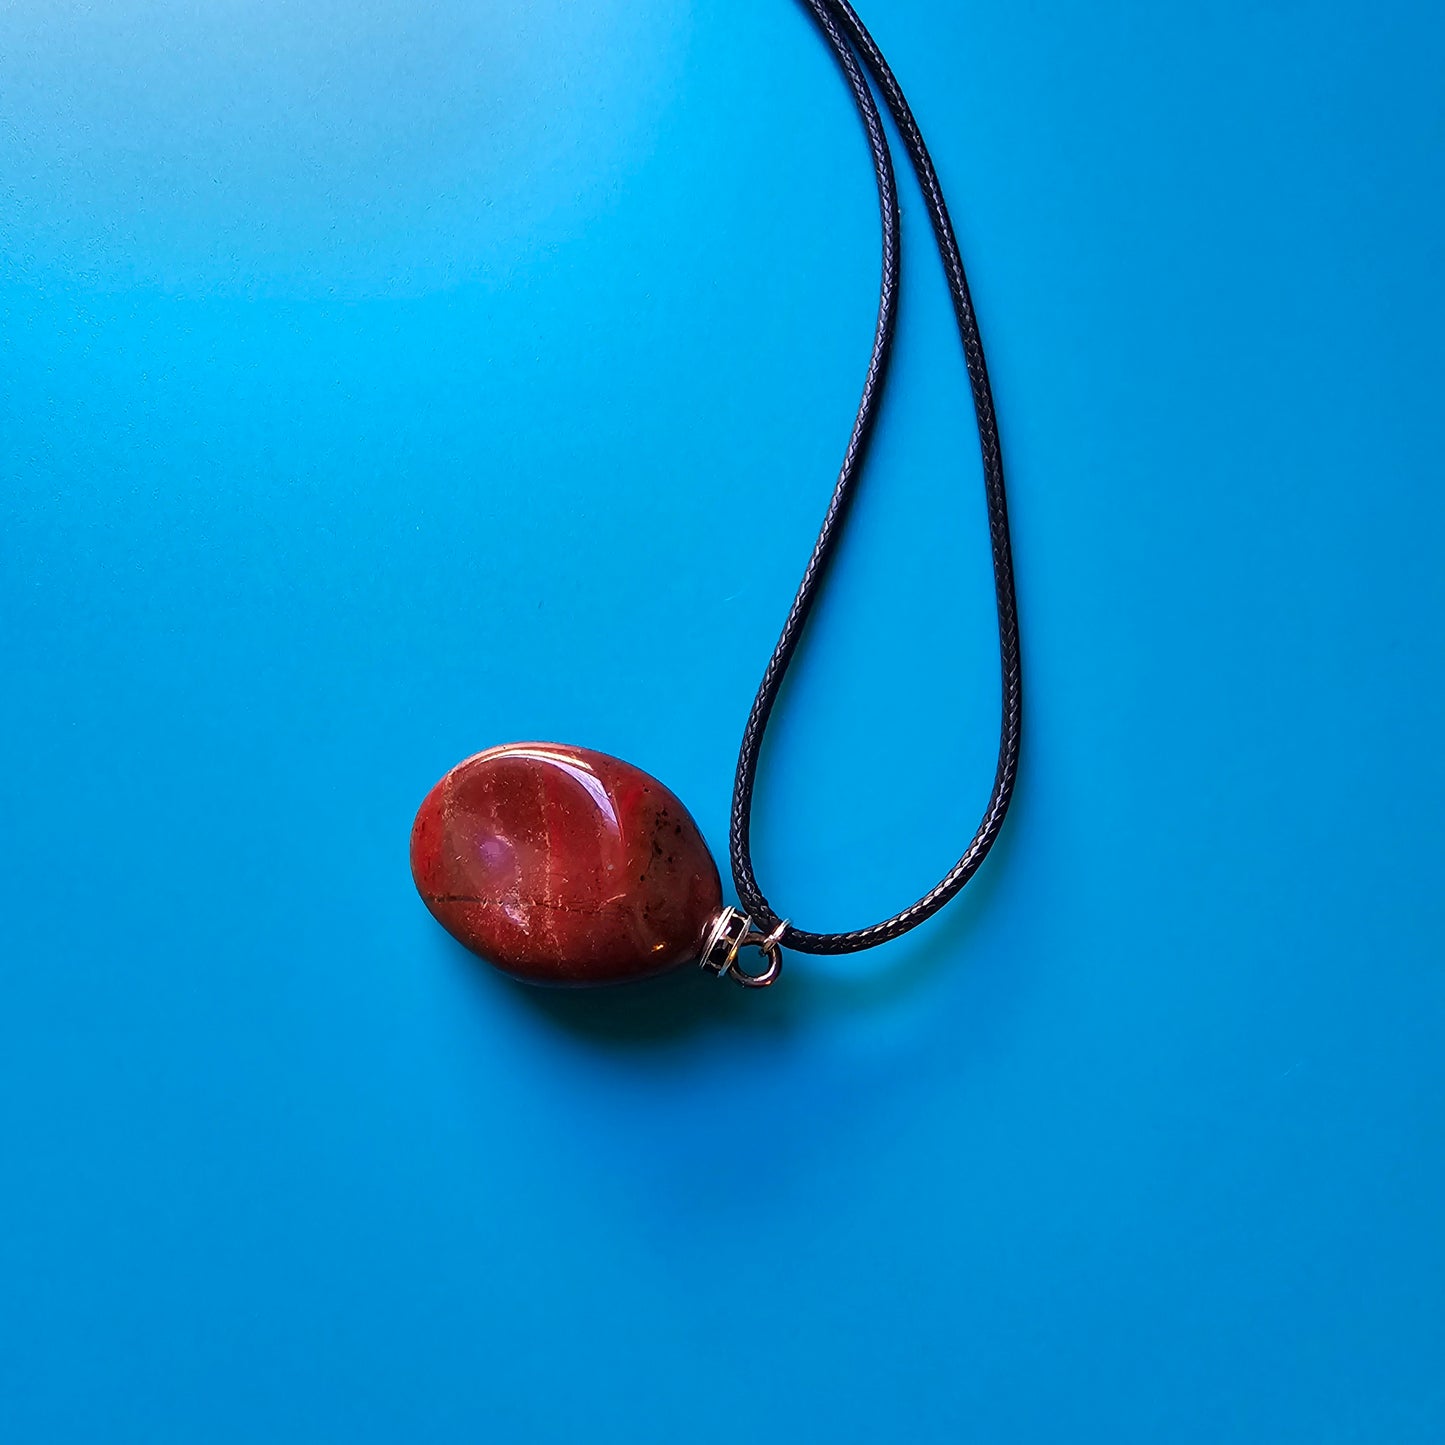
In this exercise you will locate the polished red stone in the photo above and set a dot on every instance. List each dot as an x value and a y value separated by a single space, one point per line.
561 865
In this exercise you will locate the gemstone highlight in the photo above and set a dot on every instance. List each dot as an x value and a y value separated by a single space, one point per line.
562 865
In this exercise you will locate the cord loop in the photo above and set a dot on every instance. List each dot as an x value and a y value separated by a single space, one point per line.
855 49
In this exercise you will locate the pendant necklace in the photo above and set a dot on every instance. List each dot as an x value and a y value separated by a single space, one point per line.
560 865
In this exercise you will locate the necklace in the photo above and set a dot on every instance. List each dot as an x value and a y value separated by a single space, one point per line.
562 865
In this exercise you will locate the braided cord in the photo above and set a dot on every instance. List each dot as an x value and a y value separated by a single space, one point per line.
851 45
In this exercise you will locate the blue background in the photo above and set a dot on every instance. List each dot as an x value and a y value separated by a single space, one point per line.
385 380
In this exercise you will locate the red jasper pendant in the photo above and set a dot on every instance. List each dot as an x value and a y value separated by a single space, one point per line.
564 866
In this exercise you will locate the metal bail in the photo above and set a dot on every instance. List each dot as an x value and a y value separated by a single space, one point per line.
729 933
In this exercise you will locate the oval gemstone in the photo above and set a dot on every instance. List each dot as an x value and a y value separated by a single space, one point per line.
562 865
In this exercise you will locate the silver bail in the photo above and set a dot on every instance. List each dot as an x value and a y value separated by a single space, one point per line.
729 933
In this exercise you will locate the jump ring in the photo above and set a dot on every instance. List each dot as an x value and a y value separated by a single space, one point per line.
768 946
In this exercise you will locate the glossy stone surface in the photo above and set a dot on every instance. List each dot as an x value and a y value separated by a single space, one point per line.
562 865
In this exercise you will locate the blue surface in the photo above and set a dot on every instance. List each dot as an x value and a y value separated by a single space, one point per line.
385 380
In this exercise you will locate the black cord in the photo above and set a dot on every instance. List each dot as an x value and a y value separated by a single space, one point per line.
851 44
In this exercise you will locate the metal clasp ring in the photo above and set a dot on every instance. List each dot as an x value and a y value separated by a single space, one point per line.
732 931
770 945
